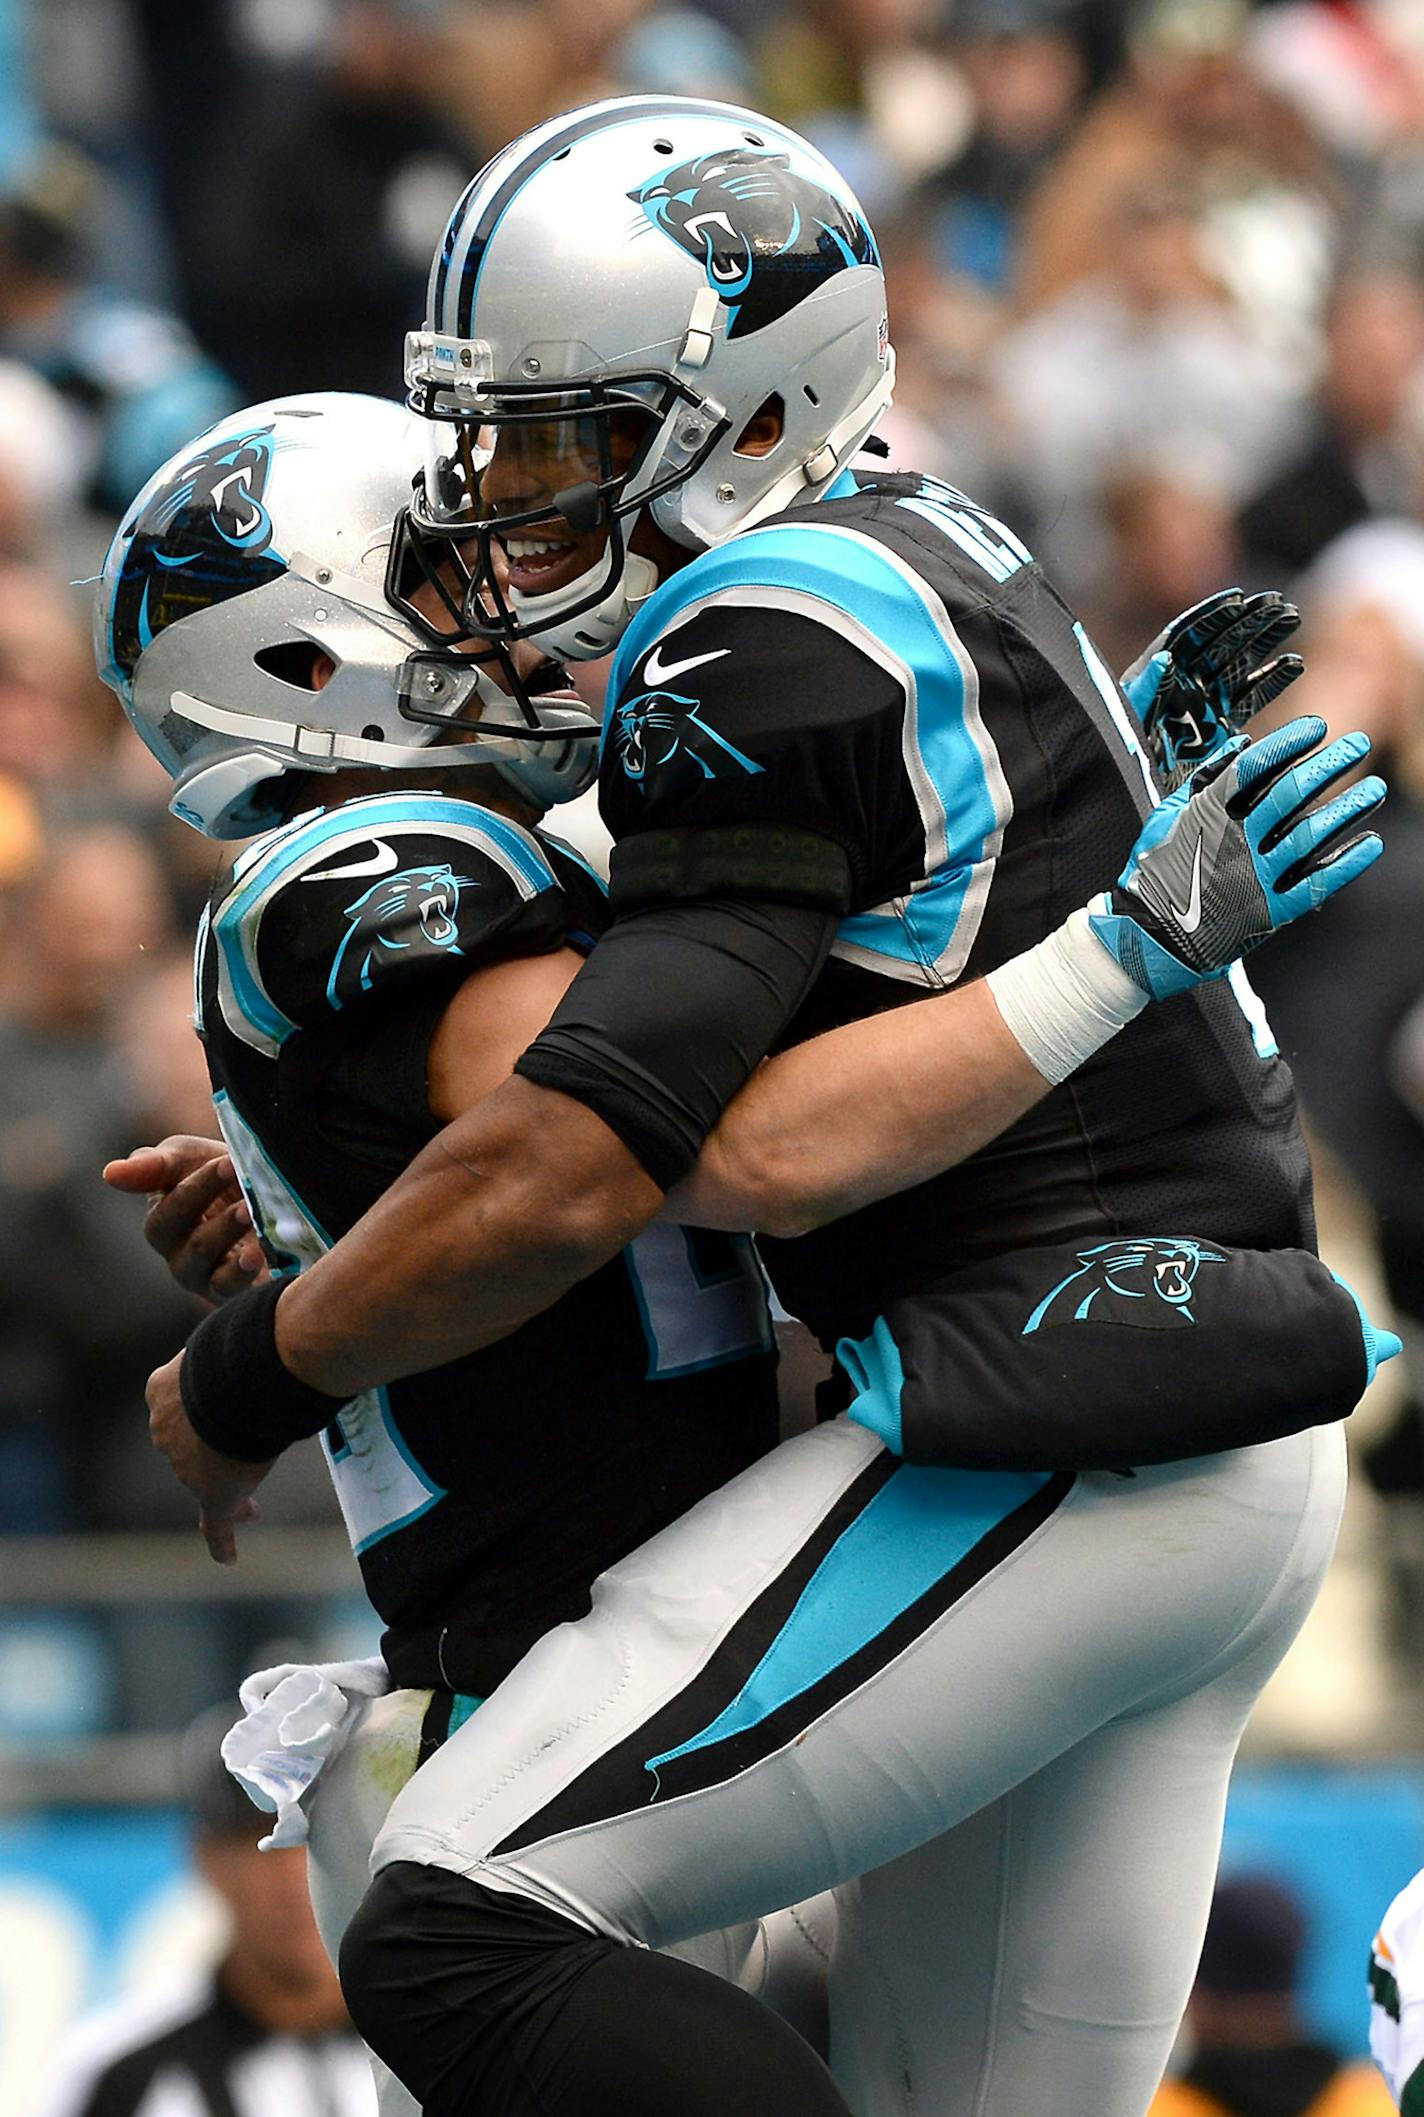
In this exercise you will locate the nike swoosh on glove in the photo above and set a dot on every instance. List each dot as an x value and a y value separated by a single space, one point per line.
1237 853
1208 673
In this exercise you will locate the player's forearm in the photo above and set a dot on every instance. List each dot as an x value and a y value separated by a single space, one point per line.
507 1208
884 1103
859 1113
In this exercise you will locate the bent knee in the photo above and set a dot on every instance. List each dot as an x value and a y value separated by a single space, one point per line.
441 1974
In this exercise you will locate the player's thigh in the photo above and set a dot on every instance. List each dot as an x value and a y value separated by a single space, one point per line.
1038 1957
780 1960
350 1801
837 1658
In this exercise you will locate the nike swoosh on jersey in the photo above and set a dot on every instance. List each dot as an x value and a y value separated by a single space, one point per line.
657 672
384 861
1189 915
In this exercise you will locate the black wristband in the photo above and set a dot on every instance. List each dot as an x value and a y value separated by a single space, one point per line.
239 1397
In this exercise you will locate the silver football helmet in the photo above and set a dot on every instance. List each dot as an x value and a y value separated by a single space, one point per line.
618 295
265 546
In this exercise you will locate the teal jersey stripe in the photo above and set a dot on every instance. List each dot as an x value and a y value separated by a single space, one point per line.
261 872
914 1531
950 760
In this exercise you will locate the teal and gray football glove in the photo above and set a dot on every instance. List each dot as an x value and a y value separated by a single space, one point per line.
1209 672
1237 853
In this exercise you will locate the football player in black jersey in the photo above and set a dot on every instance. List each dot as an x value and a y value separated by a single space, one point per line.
868 729
370 967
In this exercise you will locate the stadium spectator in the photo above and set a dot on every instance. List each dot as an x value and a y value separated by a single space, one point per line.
1339 1009
1188 98
132 374
1147 353
41 462
1025 74
307 252
57 723
83 1309
1171 540
1361 454
262 2034
1250 2053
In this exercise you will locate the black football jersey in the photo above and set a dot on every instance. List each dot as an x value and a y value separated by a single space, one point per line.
891 670
483 1497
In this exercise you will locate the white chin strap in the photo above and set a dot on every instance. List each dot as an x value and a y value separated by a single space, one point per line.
831 457
212 797
324 750
592 632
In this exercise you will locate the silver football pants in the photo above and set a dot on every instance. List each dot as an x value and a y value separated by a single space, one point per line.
996 1712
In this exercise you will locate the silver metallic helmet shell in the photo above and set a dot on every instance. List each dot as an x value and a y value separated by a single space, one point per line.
694 239
271 532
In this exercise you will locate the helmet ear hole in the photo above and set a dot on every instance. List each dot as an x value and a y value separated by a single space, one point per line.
763 431
294 662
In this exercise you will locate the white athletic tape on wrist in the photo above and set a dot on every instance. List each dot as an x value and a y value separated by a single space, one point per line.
1063 999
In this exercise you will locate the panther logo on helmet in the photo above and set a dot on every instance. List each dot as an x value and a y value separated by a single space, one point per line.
1148 1283
764 236
202 536
660 728
413 912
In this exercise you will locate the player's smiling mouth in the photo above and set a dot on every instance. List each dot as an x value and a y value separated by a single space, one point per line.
538 564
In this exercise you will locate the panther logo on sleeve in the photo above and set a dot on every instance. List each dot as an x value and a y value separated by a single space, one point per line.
765 236
661 730
411 914
1149 1283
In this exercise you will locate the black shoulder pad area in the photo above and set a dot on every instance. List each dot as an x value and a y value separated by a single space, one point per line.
380 894
775 863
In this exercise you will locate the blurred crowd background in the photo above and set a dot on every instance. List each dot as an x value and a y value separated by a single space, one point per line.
1156 279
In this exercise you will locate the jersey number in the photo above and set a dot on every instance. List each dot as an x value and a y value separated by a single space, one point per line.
379 1484
701 1297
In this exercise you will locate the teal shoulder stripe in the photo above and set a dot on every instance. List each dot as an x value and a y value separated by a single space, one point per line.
267 867
412 811
843 569
571 852
951 761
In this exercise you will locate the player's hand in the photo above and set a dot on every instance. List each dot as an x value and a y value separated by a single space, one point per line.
222 1487
197 1218
1208 673
1236 853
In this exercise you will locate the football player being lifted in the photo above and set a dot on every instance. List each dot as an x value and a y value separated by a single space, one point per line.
857 751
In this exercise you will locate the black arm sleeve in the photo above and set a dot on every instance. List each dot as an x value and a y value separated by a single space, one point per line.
674 1009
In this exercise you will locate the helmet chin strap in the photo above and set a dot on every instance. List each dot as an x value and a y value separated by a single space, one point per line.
835 451
324 750
591 632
